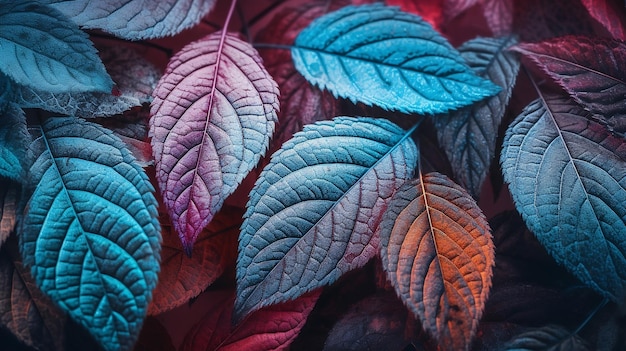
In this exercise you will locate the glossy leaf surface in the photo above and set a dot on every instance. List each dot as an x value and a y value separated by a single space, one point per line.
549 337
567 176
270 328
312 213
591 70
135 77
24 309
213 113
379 55
469 135
43 49
91 234
183 278
135 19
437 251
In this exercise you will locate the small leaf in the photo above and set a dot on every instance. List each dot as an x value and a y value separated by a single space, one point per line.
381 56
549 337
91 234
183 278
610 14
469 135
375 323
437 251
135 19
14 140
213 113
589 69
300 103
42 49
136 78
567 176
271 328
24 309
9 196
499 16
312 213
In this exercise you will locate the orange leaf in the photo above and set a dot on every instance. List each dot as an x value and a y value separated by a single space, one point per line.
437 251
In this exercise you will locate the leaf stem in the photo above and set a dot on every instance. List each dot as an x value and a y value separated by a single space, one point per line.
591 315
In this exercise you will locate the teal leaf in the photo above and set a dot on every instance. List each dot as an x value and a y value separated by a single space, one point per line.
468 135
567 176
314 210
91 234
135 19
6 91
14 140
379 55
42 49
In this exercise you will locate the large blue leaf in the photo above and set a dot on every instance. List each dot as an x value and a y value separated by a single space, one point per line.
382 56
91 234
567 175
313 212
135 19
468 136
14 141
42 49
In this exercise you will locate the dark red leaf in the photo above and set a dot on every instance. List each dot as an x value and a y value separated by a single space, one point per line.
154 337
183 277
430 10
270 328
536 20
611 14
453 8
591 70
499 16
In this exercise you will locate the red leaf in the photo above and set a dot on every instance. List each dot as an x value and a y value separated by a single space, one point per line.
214 111
300 103
453 8
591 70
24 310
154 337
610 14
437 251
499 16
430 10
271 328
536 20
182 277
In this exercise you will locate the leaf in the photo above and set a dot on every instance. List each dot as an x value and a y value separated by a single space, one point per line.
9 195
154 337
589 69
213 113
381 56
91 235
42 49
374 323
469 135
499 16
271 328
14 140
313 211
610 14
537 20
135 19
136 78
183 278
550 338
431 11
453 8
24 309
567 176
300 103
6 92
437 251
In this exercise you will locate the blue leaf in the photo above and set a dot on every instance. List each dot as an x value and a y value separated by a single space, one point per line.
14 140
379 55
567 176
6 91
91 234
468 136
135 19
313 212
42 49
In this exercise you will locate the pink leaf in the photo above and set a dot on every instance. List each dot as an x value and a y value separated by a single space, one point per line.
610 14
213 113
271 328
499 16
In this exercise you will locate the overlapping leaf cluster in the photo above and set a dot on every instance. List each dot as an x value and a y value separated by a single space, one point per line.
349 166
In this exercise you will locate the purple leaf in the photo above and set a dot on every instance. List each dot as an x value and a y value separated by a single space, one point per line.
213 113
